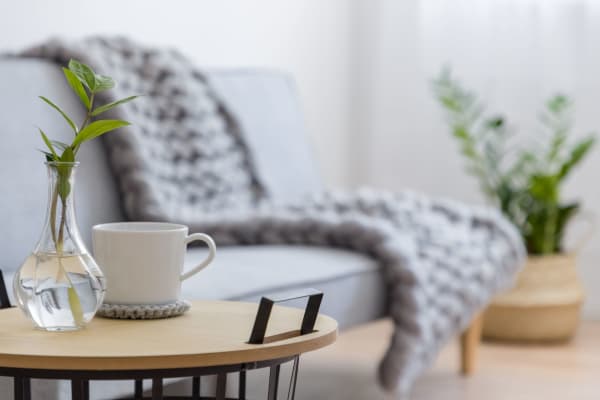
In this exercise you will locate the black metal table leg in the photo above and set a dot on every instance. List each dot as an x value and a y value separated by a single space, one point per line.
196 388
138 393
221 386
26 389
242 386
19 388
294 379
80 389
274 382
157 389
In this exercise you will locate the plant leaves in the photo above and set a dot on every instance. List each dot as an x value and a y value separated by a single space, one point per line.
53 205
494 122
49 156
63 184
104 82
68 155
64 172
112 105
59 144
77 87
75 304
558 103
96 129
65 116
74 300
84 74
576 155
558 140
48 144
544 188
526 185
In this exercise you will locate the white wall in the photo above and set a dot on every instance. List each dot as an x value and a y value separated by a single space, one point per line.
308 38
514 53
363 68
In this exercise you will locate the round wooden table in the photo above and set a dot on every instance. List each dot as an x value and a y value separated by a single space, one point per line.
212 338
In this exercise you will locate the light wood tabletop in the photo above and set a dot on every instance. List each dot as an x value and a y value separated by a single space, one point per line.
211 333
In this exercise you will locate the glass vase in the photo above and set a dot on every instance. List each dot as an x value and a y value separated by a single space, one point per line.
59 286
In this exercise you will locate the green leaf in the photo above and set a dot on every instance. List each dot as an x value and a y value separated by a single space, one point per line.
59 144
75 304
495 122
96 129
556 145
112 105
77 87
48 144
63 184
84 73
544 188
450 103
558 104
104 82
64 172
49 156
577 154
68 155
460 132
65 116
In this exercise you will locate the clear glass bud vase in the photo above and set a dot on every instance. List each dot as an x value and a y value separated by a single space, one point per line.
59 286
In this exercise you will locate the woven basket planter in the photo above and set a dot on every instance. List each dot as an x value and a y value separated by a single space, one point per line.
544 305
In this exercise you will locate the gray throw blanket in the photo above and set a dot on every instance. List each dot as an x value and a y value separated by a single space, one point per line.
184 160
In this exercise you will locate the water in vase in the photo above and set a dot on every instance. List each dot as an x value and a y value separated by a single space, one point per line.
59 292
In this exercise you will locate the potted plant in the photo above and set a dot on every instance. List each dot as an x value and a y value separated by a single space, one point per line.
59 286
525 182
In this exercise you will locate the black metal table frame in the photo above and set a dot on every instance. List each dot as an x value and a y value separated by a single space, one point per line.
80 379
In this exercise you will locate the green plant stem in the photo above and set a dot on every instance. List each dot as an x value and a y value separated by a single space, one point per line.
87 118
89 113
550 231
62 275
61 229
53 215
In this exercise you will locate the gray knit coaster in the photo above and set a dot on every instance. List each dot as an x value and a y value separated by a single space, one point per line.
143 311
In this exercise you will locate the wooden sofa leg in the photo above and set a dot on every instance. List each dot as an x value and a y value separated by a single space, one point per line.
469 343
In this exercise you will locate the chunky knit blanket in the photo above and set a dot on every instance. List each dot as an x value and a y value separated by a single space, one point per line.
184 160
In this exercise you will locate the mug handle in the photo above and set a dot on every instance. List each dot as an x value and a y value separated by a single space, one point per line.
212 250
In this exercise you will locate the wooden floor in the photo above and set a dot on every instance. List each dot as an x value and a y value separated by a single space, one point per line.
505 372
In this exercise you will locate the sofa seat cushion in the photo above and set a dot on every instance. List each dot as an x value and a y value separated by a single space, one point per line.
353 287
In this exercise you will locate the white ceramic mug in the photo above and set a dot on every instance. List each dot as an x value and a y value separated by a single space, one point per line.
143 261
